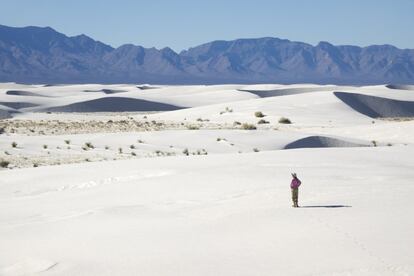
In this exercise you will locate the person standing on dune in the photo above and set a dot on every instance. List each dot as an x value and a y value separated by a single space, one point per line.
294 185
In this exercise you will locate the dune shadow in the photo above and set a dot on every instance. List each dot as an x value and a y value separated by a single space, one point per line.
321 142
377 107
326 206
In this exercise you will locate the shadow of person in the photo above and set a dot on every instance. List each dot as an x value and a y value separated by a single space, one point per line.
326 206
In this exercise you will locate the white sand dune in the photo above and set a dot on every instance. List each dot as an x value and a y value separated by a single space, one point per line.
146 87
18 105
24 93
377 107
213 215
107 91
4 114
111 104
288 91
322 142
208 201
401 86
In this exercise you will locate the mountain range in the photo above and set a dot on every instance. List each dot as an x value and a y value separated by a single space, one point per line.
43 55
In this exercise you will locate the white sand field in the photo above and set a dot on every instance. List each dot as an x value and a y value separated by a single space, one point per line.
184 180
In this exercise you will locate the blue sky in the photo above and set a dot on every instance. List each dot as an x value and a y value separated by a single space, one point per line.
180 24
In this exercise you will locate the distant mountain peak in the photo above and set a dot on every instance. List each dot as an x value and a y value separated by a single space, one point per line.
43 55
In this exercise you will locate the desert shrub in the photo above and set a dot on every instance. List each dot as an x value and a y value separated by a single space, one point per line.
389 144
67 142
201 152
248 126
7 153
262 121
259 114
186 152
284 120
236 123
35 165
133 154
120 150
4 163
193 127
199 119
132 146
45 146
107 147
14 144
140 141
256 150
374 143
226 110
89 145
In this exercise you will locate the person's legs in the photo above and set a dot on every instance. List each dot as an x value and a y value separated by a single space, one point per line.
295 197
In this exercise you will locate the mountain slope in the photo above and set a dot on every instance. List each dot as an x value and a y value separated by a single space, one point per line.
34 54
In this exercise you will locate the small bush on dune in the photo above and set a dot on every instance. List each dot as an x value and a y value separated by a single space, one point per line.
226 110
248 126
186 152
262 121
45 146
132 146
284 120
256 150
193 127
4 163
89 145
67 142
259 114
14 144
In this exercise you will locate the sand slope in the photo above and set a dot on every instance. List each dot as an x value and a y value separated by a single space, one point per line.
322 142
377 107
111 104
188 191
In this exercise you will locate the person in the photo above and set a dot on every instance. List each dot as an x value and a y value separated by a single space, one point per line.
294 185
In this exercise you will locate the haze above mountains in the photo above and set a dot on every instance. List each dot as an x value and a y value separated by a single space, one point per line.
43 55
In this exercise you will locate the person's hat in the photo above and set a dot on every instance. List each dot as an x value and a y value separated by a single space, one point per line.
294 174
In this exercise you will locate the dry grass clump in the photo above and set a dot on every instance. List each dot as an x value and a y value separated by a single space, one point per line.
262 121
248 126
259 114
4 163
284 120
